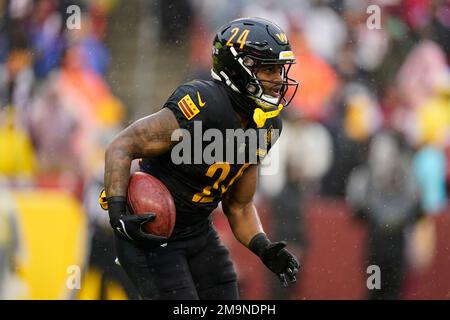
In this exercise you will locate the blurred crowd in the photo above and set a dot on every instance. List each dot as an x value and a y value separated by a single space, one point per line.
369 124
57 112
56 107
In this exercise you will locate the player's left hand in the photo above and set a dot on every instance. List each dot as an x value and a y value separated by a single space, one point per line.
129 227
281 262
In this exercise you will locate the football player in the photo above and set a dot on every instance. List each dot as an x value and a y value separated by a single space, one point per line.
250 85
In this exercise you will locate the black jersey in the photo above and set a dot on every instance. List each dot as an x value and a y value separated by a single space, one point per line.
197 185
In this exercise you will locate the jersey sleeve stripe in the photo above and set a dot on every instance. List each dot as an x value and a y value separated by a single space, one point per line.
186 106
183 109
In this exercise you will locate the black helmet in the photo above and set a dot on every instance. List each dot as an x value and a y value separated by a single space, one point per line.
243 44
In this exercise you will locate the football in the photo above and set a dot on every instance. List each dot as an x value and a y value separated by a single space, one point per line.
148 194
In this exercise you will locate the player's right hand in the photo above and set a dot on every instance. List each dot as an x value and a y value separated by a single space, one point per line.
129 227
281 262
276 257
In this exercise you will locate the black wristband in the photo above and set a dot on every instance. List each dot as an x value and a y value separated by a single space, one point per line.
258 243
117 206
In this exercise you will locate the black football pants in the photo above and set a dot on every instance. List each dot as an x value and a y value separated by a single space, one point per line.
197 268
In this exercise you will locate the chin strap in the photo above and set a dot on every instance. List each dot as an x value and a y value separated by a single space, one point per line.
260 116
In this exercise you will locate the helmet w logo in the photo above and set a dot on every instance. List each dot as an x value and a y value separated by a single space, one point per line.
282 37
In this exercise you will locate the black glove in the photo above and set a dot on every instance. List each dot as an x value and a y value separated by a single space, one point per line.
129 227
276 257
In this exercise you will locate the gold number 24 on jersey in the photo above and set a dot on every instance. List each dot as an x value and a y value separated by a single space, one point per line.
205 195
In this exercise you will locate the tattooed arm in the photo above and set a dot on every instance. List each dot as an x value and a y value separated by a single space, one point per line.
147 137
